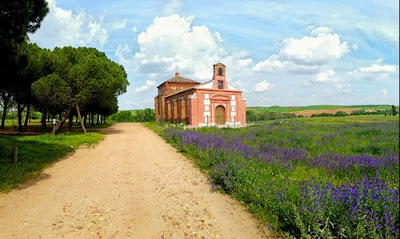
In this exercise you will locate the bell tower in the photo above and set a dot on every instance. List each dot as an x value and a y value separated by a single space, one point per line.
219 77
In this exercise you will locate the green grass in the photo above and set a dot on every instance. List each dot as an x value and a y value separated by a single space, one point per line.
35 153
284 109
35 127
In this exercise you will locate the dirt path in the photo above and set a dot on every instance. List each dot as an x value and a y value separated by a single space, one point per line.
131 185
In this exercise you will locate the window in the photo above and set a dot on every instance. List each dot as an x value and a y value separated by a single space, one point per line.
220 84
220 71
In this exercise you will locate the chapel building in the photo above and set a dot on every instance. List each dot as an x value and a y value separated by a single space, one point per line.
213 103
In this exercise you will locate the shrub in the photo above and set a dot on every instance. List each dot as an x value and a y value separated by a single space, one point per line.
123 116
341 113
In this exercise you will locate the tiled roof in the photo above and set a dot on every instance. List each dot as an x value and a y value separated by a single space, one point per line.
179 79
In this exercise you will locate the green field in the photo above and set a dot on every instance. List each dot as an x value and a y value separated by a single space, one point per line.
328 177
284 109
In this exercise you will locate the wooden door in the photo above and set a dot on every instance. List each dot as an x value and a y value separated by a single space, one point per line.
220 115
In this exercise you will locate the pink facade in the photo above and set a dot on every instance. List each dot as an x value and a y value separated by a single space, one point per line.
213 103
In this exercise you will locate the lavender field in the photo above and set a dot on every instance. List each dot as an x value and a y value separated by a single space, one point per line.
306 179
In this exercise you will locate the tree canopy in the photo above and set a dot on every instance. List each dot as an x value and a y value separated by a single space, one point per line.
83 80
17 18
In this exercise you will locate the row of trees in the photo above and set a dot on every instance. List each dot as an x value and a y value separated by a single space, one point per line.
146 115
18 18
268 115
66 81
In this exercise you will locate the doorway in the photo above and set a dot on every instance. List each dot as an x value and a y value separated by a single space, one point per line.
220 115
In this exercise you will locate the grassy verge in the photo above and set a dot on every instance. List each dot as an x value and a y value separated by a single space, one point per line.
35 153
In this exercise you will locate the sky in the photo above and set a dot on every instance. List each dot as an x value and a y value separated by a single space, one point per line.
285 53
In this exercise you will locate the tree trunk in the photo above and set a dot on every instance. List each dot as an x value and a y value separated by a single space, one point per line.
48 117
92 119
79 117
20 108
59 116
84 120
105 119
59 124
70 122
3 117
6 97
98 118
44 115
27 115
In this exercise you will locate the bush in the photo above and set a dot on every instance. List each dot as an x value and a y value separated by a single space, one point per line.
341 113
146 115
36 115
267 115
123 116
358 112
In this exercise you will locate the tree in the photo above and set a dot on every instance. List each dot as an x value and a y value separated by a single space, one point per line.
94 83
17 18
393 110
52 94
29 71
5 102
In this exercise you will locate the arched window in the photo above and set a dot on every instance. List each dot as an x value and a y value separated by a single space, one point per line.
220 71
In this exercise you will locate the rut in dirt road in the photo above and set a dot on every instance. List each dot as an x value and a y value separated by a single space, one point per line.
131 185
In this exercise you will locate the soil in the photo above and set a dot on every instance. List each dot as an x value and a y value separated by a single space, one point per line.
308 113
131 185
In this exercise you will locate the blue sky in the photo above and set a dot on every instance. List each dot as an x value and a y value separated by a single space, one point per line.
287 53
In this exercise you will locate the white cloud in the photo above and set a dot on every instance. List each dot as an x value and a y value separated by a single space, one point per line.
334 84
320 30
378 68
149 83
373 72
262 86
319 50
308 54
124 55
354 47
134 30
69 28
172 41
173 7
218 37
119 24
385 93
97 33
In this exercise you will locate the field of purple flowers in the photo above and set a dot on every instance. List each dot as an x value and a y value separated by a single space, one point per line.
306 180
